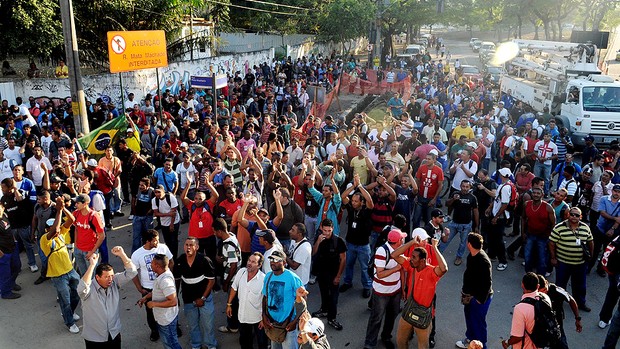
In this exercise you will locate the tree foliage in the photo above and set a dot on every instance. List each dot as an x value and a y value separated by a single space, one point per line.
357 15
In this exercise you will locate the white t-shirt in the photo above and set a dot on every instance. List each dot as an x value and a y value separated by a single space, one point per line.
34 166
502 196
13 155
142 259
182 170
460 175
303 256
162 288
45 144
546 151
165 208
250 295
266 264
513 140
490 138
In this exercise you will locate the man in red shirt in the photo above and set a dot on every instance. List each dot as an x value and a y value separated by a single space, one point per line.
89 233
426 278
230 205
430 180
201 217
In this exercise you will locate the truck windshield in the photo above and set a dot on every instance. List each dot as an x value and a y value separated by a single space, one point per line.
601 98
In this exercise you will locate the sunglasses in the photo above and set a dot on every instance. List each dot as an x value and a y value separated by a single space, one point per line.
575 214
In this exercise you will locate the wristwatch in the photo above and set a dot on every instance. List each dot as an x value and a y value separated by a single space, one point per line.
203 298
578 318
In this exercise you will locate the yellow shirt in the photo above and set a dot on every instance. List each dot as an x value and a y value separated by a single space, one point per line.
62 72
361 168
58 263
459 131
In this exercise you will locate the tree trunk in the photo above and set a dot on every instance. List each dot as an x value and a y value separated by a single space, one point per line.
519 25
546 27
536 37
559 30
553 30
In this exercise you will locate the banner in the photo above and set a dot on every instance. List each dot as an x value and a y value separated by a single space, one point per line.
109 134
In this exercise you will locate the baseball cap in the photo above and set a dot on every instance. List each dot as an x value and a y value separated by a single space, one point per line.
55 179
266 234
436 213
396 235
183 144
472 144
263 210
130 130
50 222
589 138
505 172
420 232
434 152
315 326
91 162
277 256
83 198
616 187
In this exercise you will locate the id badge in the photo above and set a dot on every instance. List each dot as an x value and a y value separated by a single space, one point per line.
200 225
299 192
354 225
578 242
309 203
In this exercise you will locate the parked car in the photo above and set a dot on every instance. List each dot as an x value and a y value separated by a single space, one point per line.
487 49
471 71
493 73
411 51
471 42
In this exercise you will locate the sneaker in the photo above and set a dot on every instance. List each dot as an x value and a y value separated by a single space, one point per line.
458 261
502 266
431 342
74 329
76 317
585 308
12 296
602 324
226 329
154 336
119 214
335 324
463 344
388 344
17 288
40 280
319 313
34 268
366 293
130 217
345 287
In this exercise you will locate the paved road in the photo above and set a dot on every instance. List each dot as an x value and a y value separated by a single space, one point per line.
34 321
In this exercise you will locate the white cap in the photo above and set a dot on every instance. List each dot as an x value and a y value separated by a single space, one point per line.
91 162
434 152
315 326
419 232
130 130
184 144
472 144
505 172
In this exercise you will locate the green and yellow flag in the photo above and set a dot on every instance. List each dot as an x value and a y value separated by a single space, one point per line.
109 134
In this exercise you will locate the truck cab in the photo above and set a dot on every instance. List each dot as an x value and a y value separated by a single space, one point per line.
592 107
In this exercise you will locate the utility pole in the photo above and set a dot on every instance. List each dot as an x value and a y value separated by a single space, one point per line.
78 102
378 31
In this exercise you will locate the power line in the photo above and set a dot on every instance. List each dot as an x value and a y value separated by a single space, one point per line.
279 5
252 9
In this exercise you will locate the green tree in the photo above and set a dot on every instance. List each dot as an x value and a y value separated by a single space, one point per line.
355 13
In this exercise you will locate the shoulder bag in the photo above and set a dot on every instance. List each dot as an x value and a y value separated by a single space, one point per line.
415 314
277 332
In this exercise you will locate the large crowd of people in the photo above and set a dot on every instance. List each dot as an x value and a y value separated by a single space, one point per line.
272 198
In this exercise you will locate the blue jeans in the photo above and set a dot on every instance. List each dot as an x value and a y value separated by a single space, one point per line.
168 335
140 225
10 265
421 212
116 202
383 307
80 261
361 254
289 343
311 224
614 332
201 323
66 288
543 171
540 243
485 163
577 274
42 256
462 230
476 320
24 235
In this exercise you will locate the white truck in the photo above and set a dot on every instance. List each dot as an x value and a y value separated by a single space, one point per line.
565 78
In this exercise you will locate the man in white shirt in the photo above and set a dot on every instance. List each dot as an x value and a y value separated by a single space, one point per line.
498 215
295 153
166 208
545 152
299 257
463 168
248 286
142 259
12 152
34 169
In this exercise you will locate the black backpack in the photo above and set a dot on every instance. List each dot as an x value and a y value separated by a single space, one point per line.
546 332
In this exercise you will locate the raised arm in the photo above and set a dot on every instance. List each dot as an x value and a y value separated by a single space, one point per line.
277 196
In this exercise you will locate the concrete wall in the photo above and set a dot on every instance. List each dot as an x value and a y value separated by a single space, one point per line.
358 46
141 82
246 42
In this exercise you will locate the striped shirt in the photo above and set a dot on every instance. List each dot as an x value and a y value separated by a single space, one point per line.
231 253
234 168
568 242
389 285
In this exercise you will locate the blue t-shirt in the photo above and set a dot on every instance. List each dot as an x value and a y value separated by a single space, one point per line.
603 224
404 198
255 246
280 292
167 179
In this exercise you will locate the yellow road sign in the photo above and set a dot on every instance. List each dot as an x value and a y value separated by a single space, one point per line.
135 50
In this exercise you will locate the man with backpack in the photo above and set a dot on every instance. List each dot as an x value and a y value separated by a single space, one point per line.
528 319
229 258
386 293
558 296
570 184
166 207
498 214
89 232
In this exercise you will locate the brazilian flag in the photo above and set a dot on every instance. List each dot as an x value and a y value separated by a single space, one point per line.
109 134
